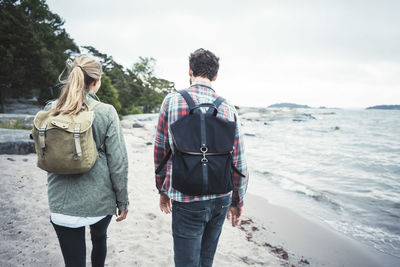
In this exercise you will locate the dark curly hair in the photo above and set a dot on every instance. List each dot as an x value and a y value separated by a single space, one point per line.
204 63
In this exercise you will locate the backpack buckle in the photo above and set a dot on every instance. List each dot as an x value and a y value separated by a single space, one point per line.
204 150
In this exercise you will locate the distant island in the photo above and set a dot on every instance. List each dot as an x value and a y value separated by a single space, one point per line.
385 107
288 105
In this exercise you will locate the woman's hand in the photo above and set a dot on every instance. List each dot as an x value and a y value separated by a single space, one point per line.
165 204
122 215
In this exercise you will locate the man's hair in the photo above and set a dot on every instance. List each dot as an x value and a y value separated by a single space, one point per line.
204 63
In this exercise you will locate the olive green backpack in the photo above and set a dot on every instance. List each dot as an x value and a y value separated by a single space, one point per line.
64 143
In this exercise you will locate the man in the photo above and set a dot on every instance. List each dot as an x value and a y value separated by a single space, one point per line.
197 219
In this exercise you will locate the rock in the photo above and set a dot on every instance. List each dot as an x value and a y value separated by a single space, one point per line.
303 117
142 117
22 106
137 125
251 116
149 143
309 116
10 159
16 142
19 148
249 134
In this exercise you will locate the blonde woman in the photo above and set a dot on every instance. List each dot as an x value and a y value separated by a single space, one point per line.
89 199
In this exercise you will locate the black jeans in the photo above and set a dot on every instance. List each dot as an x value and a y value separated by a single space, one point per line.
196 227
73 247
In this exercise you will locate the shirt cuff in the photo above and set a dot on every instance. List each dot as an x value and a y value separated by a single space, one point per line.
237 204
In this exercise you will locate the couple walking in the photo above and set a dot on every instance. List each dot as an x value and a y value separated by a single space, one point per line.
201 173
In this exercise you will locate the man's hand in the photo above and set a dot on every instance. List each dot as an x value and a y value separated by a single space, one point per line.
235 213
122 215
165 204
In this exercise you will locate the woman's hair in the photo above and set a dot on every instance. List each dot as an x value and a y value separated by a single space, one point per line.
83 71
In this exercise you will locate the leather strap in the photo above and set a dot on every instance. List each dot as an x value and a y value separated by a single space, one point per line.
93 104
78 149
42 137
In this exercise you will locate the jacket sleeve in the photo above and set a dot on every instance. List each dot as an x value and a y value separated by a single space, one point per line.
117 159
161 145
239 182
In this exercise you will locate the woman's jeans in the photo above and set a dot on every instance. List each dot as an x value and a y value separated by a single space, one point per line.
196 227
73 247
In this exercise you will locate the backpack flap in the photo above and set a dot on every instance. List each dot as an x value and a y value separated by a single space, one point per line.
65 122
61 140
199 169
60 124
186 133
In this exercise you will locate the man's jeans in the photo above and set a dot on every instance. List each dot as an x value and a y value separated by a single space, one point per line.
196 227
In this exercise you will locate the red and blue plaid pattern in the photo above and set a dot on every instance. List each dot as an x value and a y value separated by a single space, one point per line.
173 108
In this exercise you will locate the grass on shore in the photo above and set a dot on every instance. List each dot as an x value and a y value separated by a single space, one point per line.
14 124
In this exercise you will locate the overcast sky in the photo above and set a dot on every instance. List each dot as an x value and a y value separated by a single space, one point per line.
320 53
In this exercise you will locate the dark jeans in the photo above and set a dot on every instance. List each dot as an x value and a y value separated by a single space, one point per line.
73 247
196 228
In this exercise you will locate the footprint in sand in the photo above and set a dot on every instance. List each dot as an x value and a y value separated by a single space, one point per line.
151 216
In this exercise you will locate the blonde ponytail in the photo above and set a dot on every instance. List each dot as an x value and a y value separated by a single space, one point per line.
82 72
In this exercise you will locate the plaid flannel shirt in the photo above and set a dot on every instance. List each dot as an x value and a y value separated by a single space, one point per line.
173 108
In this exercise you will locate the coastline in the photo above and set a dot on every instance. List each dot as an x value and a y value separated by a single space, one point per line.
303 238
269 236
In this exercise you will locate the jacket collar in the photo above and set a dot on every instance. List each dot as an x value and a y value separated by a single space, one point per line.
202 84
91 96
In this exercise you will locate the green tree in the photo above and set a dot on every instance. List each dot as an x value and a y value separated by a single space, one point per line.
33 49
127 84
138 89
153 89
108 94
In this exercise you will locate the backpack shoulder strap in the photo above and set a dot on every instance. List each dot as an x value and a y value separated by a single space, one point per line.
164 161
188 99
219 101
53 104
214 110
93 104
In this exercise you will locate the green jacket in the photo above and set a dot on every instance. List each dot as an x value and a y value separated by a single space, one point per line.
99 191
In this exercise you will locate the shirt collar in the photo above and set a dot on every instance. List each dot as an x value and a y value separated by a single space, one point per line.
203 84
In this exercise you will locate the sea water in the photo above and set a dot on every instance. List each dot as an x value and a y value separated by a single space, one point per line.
341 167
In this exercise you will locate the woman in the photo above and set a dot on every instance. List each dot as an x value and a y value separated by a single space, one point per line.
79 200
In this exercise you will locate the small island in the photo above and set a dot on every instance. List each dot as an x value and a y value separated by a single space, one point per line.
385 107
288 105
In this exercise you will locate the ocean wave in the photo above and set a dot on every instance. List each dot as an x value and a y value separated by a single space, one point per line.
292 185
376 237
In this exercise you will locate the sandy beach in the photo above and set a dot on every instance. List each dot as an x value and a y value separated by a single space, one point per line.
143 239
269 235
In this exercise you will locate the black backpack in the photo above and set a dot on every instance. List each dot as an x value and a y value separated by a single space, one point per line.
202 162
